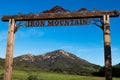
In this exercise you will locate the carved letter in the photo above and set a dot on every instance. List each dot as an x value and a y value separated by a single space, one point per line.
50 23
31 23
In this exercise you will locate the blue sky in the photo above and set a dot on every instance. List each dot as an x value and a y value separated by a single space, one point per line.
83 41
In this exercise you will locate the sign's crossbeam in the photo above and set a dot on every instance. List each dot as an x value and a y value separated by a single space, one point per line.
63 15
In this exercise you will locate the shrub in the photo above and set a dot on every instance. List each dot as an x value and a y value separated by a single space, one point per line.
32 77
1 76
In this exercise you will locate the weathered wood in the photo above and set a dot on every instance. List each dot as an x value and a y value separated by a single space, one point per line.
64 15
107 48
9 51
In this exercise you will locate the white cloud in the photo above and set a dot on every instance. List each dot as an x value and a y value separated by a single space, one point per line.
3 42
3 35
66 47
115 49
28 33
82 49
22 34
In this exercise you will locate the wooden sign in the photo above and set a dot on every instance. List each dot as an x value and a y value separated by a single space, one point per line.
58 16
60 22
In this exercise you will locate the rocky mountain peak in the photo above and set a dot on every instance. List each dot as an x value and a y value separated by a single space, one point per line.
30 55
57 54
52 54
27 57
62 52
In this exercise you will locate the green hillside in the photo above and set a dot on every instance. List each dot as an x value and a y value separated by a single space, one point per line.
22 75
1 63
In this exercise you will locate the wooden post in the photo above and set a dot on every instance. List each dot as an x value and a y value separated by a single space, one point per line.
107 48
9 51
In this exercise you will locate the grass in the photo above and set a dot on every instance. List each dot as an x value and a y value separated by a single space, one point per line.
22 75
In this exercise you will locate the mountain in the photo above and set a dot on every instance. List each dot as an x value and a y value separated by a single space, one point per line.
58 60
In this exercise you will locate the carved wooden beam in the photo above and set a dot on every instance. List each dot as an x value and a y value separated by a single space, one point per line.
63 15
